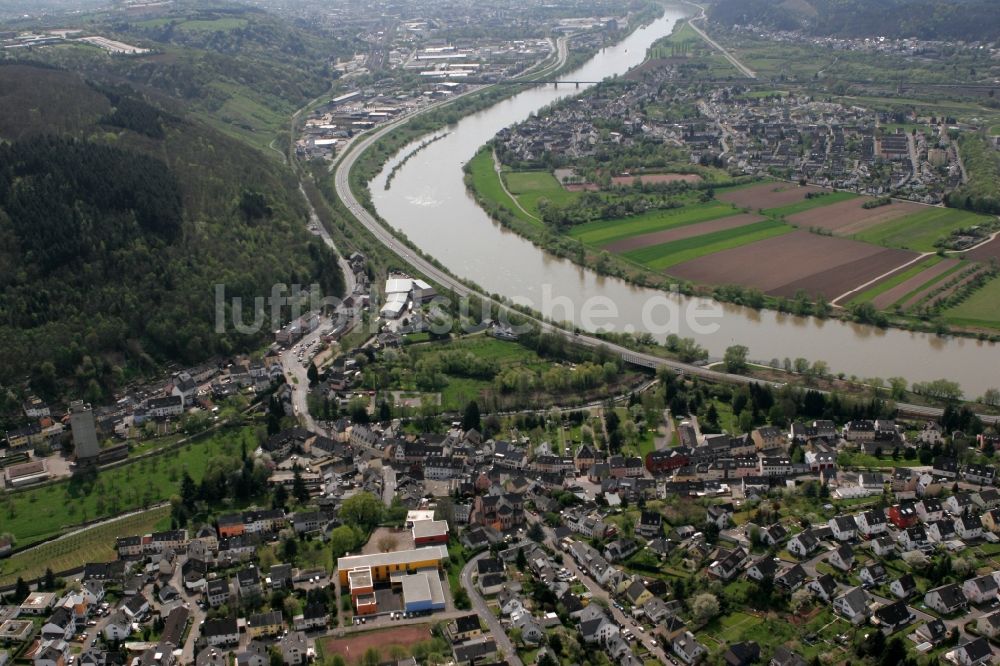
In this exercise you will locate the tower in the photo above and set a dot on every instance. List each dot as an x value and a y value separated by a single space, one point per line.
84 431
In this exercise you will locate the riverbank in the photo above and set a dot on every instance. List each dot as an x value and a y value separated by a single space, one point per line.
564 59
642 257
428 204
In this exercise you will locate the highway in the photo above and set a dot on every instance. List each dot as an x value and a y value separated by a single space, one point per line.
746 71
386 237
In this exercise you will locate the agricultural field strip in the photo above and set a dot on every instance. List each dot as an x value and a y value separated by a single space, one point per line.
849 217
603 232
679 233
980 309
767 195
668 254
917 295
930 282
893 290
889 273
920 230
792 259
989 249
88 544
809 204
948 291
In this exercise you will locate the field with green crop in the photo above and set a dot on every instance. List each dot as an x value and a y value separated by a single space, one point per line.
486 183
981 309
530 187
684 42
921 230
603 232
39 513
897 279
93 544
659 257
809 204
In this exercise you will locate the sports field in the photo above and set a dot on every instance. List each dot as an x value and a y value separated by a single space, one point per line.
388 642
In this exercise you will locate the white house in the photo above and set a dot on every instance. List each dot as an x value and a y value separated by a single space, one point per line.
974 653
913 538
762 569
118 627
871 523
980 590
842 558
774 534
844 528
220 632
883 546
852 605
824 587
598 630
903 587
688 649
946 599
941 530
969 527
802 544
959 504
929 509
873 574
989 625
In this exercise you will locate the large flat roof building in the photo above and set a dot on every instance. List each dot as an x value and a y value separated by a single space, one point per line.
383 565
427 532
422 591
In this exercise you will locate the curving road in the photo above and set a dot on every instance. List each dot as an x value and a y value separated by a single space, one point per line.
386 237
479 605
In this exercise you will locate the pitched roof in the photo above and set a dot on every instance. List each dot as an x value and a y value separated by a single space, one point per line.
893 614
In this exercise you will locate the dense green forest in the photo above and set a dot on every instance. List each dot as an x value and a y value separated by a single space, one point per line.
924 19
117 220
241 69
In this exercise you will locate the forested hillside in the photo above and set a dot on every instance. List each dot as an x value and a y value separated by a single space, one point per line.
240 68
926 19
117 220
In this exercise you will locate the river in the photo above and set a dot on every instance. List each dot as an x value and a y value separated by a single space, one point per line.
428 202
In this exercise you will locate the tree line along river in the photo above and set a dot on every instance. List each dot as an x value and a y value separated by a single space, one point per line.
429 203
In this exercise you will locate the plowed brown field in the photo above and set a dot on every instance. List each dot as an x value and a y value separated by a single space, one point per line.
783 265
767 195
848 217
